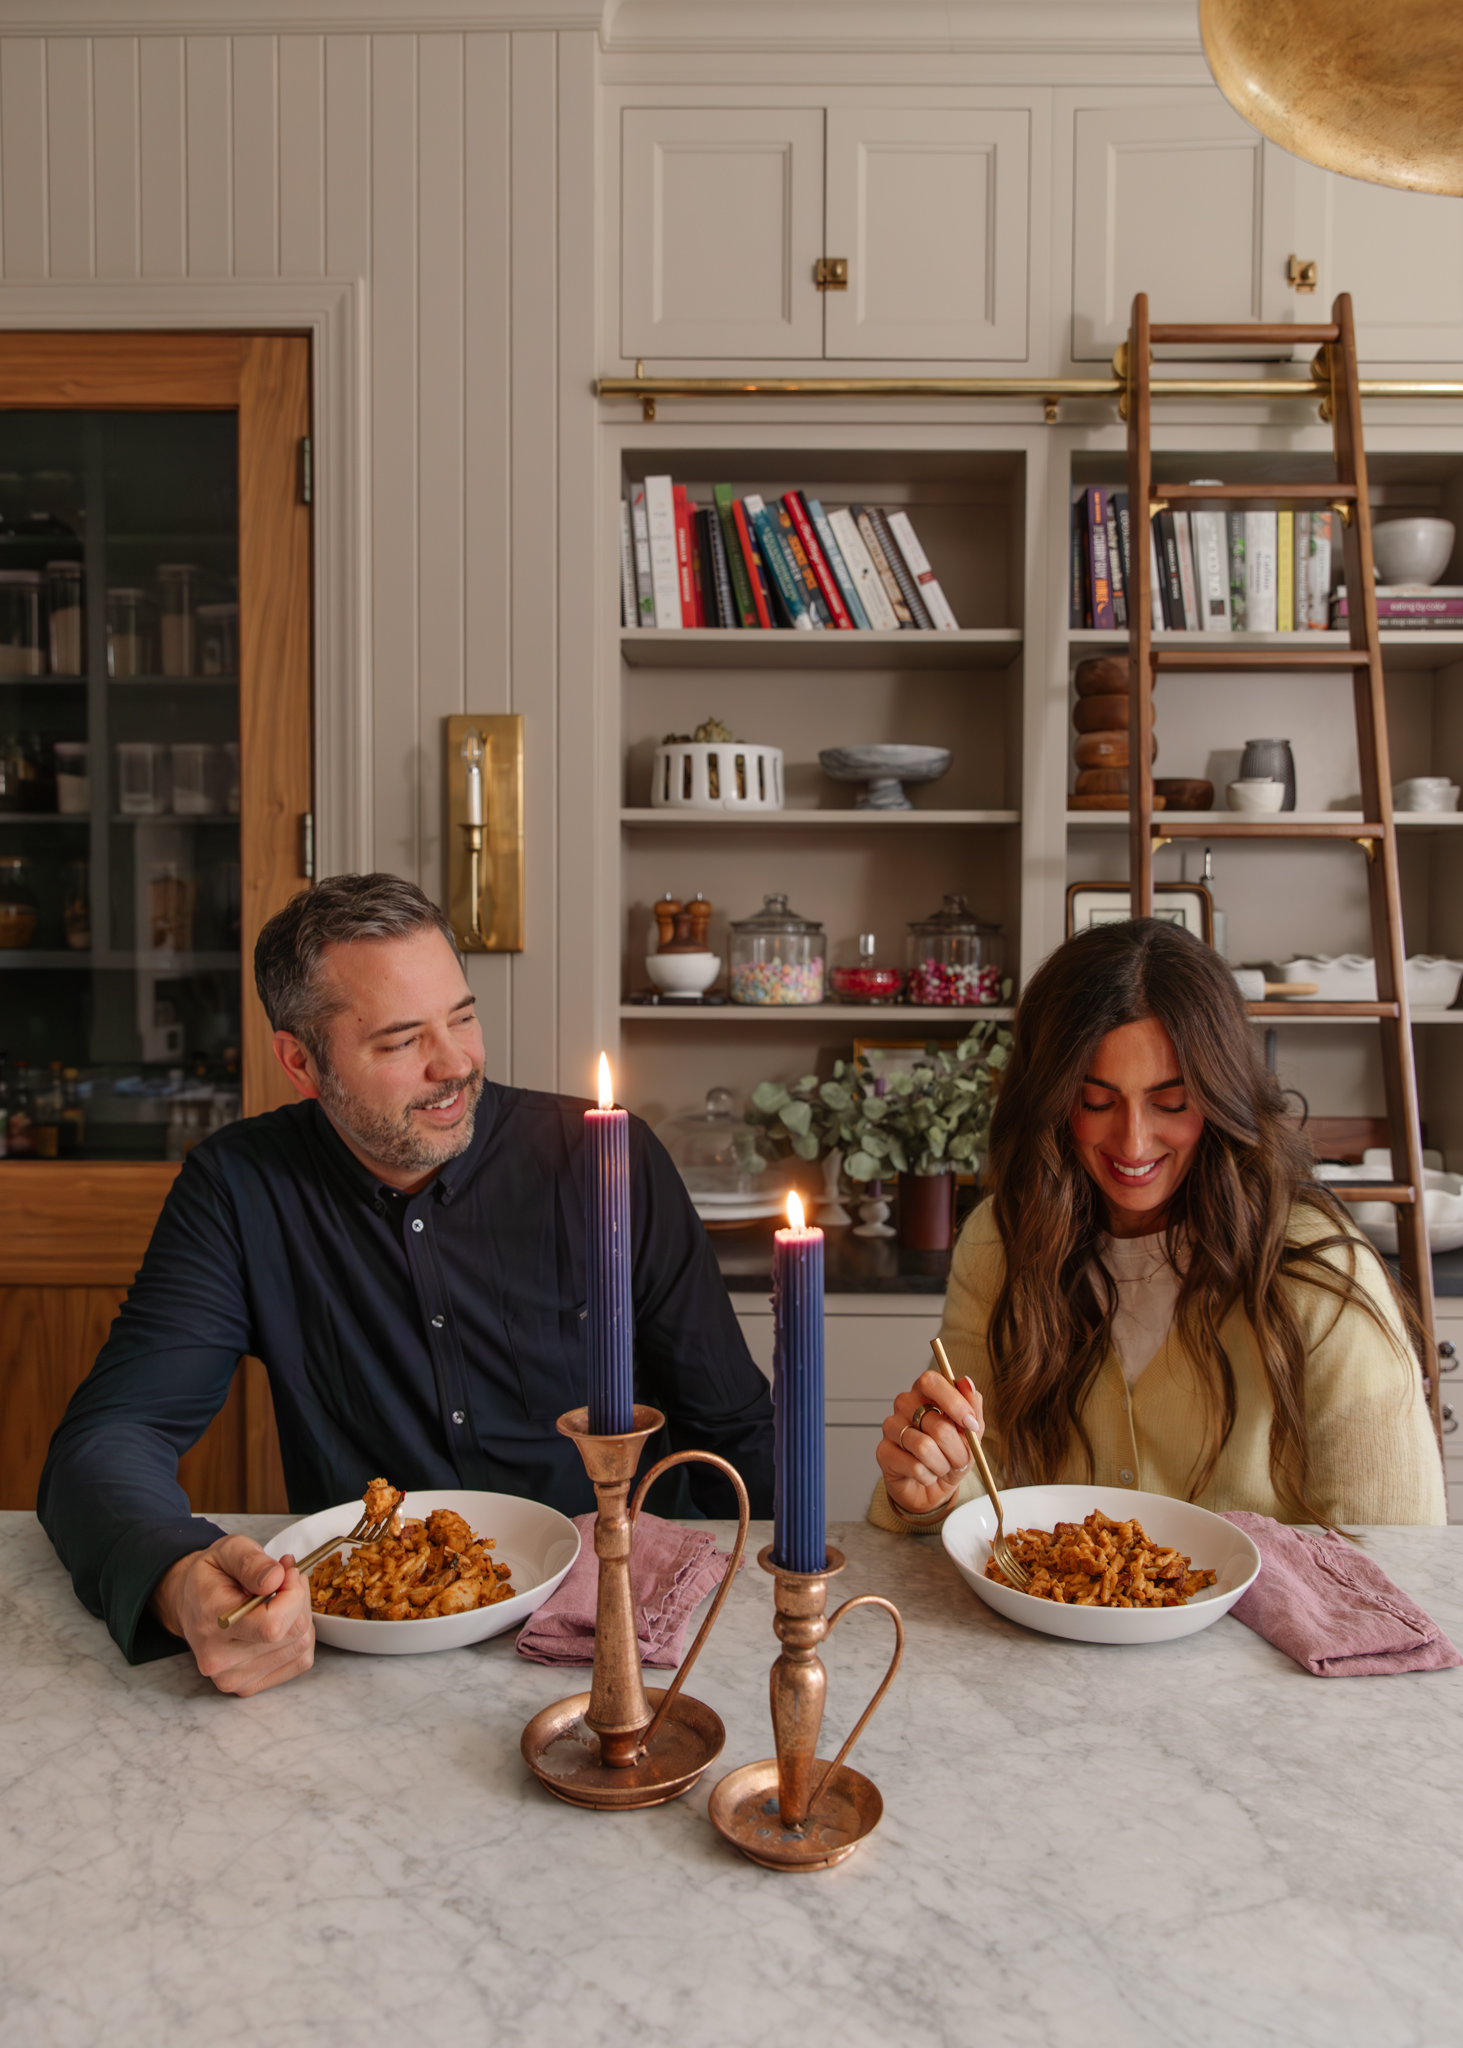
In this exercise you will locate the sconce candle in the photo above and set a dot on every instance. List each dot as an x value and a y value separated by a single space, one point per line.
611 1309
799 1530
472 753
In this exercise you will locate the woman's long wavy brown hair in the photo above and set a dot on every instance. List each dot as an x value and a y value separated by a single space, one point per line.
1051 1325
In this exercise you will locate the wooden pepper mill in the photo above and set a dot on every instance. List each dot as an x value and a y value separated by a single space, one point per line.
683 928
1101 718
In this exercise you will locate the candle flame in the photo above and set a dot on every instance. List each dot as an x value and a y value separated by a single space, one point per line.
606 1085
795 1212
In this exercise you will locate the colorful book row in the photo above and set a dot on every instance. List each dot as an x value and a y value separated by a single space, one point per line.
1211 571
742 563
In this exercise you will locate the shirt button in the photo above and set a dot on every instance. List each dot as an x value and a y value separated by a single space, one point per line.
1126 1477
458 1416
437 1322
417 1223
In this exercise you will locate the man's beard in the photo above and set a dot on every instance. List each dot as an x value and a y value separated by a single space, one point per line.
395 1141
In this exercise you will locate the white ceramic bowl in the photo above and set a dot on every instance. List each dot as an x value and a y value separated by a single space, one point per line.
1442 1206
1256 796
1412 550
1426 793
683 974
538 1542
1208 1541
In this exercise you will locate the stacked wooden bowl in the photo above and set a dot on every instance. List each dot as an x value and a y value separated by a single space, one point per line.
1101 718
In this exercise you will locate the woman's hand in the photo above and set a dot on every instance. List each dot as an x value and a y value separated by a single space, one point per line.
922 1465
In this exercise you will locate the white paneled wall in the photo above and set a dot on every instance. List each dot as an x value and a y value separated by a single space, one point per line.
454 174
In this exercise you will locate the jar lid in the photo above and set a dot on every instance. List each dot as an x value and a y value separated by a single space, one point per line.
774 916
216 611
956 916
63 569
130 592
20 575
177 568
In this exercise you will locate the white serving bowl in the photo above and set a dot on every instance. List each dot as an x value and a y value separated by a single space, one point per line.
1266 795
1442 1206
683 974
1412 550
1208 1541
1426 793
538 1542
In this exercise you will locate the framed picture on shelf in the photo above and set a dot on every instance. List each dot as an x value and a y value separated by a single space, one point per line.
1185 903
900 1055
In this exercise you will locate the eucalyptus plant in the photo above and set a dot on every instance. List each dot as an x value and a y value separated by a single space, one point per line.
933 1118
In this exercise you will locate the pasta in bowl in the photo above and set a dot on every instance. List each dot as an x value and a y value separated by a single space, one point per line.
1209 1543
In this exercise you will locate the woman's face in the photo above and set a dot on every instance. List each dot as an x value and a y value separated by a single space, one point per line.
1135 1132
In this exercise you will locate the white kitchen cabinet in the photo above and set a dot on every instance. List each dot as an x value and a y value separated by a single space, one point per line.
721 225
930 207
1399 254
1448 1330
874 1344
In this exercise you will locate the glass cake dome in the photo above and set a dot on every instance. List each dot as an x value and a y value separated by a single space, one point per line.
717 1156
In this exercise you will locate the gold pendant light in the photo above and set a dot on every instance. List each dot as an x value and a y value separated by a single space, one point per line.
1371 88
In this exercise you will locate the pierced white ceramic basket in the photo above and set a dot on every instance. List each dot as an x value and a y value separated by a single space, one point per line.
1432 982
716 775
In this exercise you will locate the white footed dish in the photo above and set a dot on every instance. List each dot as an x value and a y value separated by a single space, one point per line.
538 1543
1208 1541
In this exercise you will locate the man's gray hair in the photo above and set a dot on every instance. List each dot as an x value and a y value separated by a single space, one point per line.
337 911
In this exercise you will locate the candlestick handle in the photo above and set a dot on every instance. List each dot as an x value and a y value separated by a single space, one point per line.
862 1600
744 1514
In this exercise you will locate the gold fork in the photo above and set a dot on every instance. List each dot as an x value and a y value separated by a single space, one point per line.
364 1532
1005 1557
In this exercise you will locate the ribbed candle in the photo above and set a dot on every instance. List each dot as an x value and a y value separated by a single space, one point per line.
799 1528
610 1306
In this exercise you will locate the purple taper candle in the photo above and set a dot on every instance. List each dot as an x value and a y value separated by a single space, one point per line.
610 1308
799 1539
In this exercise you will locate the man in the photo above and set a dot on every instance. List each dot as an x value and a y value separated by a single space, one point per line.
404 1249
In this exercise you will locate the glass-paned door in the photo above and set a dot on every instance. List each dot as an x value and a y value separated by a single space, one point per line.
120 889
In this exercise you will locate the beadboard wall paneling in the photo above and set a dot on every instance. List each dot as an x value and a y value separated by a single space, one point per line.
453 172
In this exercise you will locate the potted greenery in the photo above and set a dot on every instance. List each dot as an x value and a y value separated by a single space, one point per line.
923 1123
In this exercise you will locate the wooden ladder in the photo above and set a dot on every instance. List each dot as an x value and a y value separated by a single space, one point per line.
1377 837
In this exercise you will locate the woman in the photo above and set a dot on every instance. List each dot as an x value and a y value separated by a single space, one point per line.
1156 1295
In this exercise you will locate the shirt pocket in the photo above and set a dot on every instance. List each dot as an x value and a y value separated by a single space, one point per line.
548 1351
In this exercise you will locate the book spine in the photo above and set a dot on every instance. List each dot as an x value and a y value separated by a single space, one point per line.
644 589
834 557
1173 589
903 617
832 596
1260 549
1184 534
917 563
721 575
665 575
861 568
1318 573
802 568
1211 570
909 589
778 566
1157 581
1301 572
1235 528
740 581
628 605
684 570
1078 607
1285 572
1115 574
702 521
752 562
1125 542
1100 580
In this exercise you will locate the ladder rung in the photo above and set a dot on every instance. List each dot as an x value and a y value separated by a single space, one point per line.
1271 825
1171 336
1260 496
1259 658
1310 1006
1374 1191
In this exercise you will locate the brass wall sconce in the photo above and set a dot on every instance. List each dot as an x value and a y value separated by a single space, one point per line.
483 842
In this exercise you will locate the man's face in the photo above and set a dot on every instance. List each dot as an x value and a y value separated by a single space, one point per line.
404 1063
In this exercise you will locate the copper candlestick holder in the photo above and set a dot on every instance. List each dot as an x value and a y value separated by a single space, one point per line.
785 1812
619 1745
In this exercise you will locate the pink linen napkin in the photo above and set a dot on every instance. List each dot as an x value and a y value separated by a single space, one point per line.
671 1572
1334 1610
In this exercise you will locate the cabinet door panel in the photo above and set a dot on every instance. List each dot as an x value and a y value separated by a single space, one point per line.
1167 200
1399 254
931 209
722 224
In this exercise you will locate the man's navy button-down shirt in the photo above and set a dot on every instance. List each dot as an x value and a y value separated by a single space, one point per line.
434 1338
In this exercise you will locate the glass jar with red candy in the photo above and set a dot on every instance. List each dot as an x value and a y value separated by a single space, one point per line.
954 959
871 981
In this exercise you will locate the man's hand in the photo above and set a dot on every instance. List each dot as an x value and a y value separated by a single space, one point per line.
272 1644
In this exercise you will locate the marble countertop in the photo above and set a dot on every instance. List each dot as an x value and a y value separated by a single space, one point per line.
1193 1843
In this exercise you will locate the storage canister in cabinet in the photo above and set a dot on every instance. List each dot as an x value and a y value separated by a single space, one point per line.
777 956
176 635
65 630
954 959
21 649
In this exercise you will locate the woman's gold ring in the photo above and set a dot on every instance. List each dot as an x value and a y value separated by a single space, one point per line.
924 1408
903 1433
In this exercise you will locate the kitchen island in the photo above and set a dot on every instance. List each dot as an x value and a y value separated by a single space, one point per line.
1191 1843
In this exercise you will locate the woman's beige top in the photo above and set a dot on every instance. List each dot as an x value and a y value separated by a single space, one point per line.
1148 1286
1373 1454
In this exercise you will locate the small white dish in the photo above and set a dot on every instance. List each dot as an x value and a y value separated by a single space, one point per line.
537 1542
1425 793
1266 795
1412 550
683 974
1208 1541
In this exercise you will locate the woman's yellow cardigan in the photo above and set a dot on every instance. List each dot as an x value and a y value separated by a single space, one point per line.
1373 1454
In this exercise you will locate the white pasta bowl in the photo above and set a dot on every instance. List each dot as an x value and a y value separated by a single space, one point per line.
1262 793
1208 1541
538 1543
